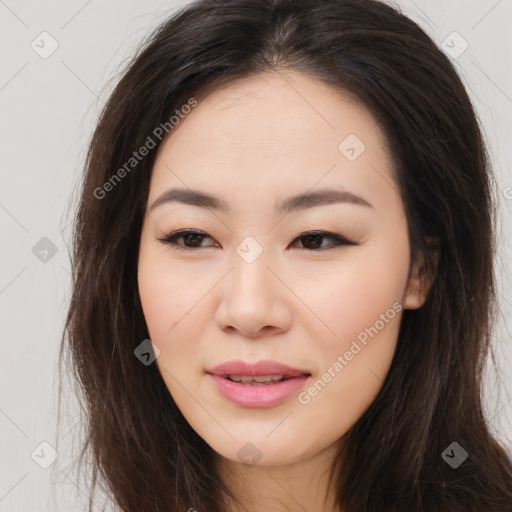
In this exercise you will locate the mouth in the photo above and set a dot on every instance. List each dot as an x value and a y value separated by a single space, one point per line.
264 384
237 370
260 380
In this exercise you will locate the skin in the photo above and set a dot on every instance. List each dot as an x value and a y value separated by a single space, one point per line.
254 143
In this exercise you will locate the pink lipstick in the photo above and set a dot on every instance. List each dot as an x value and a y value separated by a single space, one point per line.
264 384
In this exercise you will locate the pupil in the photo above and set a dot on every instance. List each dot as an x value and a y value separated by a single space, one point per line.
194 241
317 237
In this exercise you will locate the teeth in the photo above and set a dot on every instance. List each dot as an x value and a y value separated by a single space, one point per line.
262 379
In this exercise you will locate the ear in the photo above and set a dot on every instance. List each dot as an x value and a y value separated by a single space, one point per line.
421 279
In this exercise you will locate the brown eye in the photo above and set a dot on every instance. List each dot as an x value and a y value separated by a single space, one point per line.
312 240
192 239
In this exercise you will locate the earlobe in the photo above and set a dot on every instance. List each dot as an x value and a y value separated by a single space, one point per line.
420 281
415 294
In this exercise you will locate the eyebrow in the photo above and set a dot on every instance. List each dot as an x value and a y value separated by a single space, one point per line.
298 202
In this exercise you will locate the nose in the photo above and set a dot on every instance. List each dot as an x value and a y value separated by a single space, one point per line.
254 300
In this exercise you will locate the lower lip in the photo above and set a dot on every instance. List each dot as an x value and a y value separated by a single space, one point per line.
255 395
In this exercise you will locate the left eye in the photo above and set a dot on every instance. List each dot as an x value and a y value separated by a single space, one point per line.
310 238
313 237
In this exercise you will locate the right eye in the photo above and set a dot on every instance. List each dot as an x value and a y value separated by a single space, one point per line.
189 236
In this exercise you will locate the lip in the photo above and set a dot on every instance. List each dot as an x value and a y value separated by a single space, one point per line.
254 369
254 395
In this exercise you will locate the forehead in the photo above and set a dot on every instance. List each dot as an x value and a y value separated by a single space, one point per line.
285 129
276 108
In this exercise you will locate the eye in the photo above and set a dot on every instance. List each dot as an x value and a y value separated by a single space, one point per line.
191 236
314 239
311 240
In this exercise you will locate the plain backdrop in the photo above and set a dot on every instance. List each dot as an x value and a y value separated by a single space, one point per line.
48 106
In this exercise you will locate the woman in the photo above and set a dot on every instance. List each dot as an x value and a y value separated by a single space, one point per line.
228 358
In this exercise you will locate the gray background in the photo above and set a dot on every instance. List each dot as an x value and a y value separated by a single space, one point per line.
48 109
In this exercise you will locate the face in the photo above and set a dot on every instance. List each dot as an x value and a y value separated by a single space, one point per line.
318 284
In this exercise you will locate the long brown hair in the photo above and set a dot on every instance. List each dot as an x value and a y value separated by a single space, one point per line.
141 448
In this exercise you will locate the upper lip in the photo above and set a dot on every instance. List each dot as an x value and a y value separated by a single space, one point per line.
255 369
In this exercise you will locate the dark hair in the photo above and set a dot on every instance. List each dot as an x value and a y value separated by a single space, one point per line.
142 449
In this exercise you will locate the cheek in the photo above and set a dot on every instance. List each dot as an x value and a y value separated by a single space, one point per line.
171 330
364 312
174 306
166 294
354 295
161 308
169 307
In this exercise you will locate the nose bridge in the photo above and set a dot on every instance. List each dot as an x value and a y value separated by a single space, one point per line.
250 275
252 296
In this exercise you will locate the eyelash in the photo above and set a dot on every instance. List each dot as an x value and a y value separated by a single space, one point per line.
171 238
